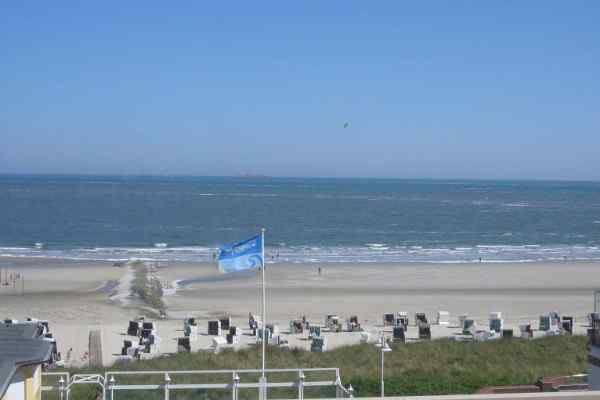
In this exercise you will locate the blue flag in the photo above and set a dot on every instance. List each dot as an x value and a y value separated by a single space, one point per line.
242 255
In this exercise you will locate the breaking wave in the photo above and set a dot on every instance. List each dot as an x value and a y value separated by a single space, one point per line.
369 253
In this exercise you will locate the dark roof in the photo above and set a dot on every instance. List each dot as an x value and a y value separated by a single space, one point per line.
21 344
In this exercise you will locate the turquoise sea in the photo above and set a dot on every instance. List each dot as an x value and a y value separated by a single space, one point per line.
307 220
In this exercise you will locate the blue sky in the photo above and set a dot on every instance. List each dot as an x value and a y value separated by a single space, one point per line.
453 89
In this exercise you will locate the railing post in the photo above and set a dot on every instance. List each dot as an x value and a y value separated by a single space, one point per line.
263 388
167 382
61 387
67 386
104 383
301 378
339 390
236 382
111 384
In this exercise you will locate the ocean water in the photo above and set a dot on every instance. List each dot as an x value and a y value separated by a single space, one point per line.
307 220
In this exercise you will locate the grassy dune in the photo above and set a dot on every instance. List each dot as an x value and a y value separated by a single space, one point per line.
147 289
436 367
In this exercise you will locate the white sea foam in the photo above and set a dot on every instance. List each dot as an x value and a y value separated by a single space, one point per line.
517 204
372 252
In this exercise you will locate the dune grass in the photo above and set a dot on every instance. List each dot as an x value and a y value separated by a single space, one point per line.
427 368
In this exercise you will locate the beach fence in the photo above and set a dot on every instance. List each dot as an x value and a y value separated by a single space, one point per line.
12 282
306 383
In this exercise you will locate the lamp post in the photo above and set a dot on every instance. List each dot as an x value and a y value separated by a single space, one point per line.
385 348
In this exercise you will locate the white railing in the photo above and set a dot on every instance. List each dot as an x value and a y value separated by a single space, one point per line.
578 395
113 382
60 382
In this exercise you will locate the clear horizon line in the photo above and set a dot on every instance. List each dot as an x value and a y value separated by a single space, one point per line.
264 176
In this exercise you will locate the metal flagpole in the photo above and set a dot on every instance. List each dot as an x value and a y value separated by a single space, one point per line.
264 316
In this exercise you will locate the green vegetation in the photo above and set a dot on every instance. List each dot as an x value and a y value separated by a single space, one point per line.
436 367
149 290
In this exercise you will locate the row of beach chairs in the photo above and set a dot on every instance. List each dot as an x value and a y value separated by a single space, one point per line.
149 341
333 323
401 318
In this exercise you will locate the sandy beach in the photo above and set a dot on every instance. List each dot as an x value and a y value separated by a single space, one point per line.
76 297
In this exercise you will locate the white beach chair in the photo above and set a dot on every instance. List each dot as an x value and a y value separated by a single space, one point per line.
496 323
526 332
496 315
365 337
443 318
274 329
401 320
461 320
219 341
388 319
214 328
469 327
